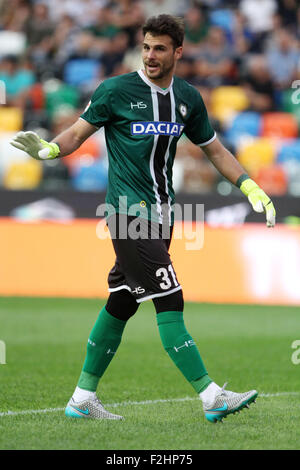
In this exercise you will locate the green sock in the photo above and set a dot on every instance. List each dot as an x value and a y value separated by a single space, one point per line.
182 349
102 345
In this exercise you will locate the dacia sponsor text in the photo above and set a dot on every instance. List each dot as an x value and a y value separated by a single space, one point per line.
157 128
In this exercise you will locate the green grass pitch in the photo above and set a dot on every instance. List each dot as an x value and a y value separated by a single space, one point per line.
248 346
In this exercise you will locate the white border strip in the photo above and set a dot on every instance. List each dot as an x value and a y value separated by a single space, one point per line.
167 154
160 294
151 162
115 289
152 85
89 123
139 403
208 141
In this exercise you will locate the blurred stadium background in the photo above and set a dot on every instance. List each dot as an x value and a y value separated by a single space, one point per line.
244 56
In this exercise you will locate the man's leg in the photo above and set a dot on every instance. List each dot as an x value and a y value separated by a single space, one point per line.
178 343
103 343
105 337
180 346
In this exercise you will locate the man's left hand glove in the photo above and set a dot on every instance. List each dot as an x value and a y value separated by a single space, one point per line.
37 148
259 200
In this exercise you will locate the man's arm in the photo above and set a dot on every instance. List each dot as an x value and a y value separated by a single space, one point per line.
230 168
224 161
70 139
63 144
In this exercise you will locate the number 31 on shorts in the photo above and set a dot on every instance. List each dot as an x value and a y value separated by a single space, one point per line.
164 274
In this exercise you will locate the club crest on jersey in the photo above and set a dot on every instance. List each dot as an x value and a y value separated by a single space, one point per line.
157 128
183 109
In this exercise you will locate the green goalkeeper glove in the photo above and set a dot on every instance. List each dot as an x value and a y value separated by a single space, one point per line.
37 148
259 200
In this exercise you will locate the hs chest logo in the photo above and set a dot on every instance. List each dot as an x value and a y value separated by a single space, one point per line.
138 105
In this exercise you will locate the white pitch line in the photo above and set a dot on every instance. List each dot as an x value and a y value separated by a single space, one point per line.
137 403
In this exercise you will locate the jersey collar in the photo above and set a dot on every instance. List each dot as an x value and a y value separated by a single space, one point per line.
153 86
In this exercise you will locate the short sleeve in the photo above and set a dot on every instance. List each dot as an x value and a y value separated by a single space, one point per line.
98 111
198 128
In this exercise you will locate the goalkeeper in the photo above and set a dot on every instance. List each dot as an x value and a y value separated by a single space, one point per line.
144 113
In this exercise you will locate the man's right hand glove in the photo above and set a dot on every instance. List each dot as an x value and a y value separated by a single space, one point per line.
37 148
259 200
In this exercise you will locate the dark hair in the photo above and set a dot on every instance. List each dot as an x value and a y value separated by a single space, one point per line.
166 25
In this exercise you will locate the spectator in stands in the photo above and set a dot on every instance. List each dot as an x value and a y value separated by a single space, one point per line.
84 46
103 30
287 12
258 85
128 15
108 30
297 26
211 5
83 12
132 60
196 30
158 7
259 15
283 59
104 26
214 63
18 79
39 26
39 31
64 41
241 36
116 54
186 69
14 14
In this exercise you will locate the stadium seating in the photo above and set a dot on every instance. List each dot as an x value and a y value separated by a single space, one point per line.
226 101
23 175
90 148
90 177
59 94
56 175
222 18
279 125
11 119
12 43
293 172
63 81
289 151
245 124
37 97
273 180
8 153
78 72
257 154
289 158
